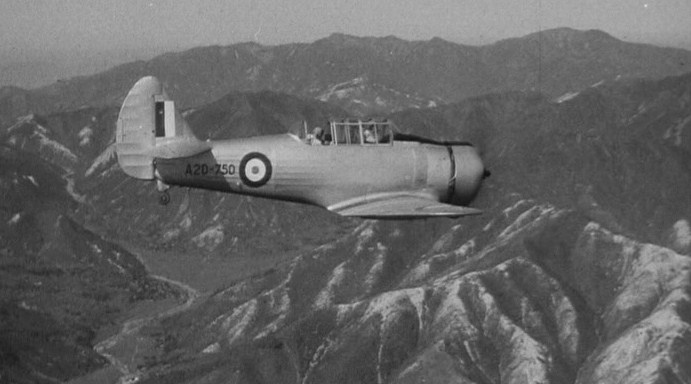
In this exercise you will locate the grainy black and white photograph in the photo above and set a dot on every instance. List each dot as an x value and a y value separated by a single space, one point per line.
347 191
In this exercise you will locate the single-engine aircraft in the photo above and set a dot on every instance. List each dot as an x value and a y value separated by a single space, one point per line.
350 167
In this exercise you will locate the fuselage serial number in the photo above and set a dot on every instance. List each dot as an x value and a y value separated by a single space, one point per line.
209 169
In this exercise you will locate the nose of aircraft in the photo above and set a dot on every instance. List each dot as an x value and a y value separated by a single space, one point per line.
470 171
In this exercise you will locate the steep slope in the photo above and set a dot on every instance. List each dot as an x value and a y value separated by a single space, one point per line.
577 272
382 74
72 141
550 298
60 282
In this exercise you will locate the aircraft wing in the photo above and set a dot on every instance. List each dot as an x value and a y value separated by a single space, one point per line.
397 206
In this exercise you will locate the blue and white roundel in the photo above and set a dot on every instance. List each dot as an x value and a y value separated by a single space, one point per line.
255 169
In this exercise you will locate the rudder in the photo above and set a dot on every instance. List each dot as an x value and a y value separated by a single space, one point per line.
148 127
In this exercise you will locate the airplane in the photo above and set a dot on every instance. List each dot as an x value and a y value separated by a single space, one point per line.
359 168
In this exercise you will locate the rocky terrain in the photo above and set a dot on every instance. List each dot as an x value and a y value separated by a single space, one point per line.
577 272
61 283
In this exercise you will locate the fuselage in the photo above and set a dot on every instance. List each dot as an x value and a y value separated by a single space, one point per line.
285 167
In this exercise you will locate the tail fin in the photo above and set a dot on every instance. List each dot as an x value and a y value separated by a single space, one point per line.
148 127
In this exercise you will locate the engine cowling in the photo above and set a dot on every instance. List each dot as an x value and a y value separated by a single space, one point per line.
469 172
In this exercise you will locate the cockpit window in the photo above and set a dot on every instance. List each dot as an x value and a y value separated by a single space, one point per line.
358 132
341 134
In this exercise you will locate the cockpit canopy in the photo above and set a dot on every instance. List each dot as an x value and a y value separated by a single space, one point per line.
361 132
353 132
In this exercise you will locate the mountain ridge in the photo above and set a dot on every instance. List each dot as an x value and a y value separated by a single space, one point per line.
61 283
434 70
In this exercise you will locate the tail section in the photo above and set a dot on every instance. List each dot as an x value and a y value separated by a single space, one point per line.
149 127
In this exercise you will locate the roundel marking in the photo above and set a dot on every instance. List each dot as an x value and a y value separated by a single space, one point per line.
255 169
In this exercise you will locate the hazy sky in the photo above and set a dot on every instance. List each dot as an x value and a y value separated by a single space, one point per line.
28 26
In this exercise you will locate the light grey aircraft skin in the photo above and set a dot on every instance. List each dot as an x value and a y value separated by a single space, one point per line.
388 179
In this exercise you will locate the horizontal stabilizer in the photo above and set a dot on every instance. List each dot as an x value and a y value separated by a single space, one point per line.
400 206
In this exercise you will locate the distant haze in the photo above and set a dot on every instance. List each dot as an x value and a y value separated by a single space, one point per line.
99 33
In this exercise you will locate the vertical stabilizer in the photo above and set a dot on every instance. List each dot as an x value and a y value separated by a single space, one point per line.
149 126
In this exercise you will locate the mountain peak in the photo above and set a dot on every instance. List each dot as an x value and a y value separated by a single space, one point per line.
439 41
566 35
340 38
384 42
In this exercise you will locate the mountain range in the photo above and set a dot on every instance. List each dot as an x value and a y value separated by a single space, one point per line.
578 270
369 75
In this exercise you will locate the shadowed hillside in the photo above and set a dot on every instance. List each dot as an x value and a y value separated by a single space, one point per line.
61 283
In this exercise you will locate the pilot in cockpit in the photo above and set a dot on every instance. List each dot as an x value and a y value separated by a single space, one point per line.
369 136
317 136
